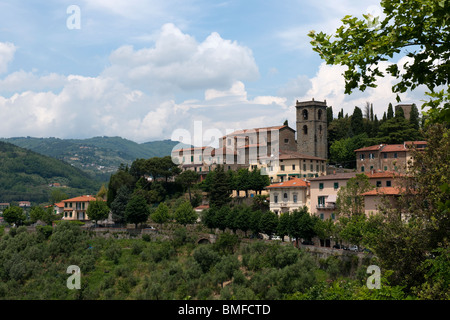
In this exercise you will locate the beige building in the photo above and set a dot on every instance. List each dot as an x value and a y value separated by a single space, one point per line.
387 157
291 164
75 208
289 195
380 196
324 190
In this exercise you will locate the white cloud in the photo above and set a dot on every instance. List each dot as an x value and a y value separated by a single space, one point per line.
178 61
7 51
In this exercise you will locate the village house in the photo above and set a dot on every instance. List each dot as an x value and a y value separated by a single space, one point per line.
75 208
289 195
324 190
387 157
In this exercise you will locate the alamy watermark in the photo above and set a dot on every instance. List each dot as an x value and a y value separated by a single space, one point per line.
374 281
74 281
74 20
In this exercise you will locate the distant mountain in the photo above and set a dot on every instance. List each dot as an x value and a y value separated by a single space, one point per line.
29 176
98 156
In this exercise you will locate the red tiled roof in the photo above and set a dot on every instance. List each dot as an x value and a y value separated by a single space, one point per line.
284 155
81 199
294 182
190 149
383 174
244 131
394 148
371 148
383 191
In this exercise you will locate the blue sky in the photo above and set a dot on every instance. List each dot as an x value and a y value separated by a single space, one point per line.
142 69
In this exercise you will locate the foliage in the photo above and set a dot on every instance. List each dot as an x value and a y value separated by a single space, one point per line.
14 215
220 189
97 210
161 214
349 200
185 214
27 175
362 45
137 210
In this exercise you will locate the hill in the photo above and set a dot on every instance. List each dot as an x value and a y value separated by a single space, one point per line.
27 175
98 156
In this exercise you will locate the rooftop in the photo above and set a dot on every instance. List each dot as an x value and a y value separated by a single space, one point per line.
254 130
87 198
393 191
294 182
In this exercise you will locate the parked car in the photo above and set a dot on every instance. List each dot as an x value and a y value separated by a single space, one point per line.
353 248
308 243
344 247
337 246
275 237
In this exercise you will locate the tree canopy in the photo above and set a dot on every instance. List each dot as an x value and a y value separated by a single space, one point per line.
419 29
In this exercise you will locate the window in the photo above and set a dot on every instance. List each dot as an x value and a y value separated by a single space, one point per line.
321 201
320 129
305 129
200 169
199 158
286 141
305 114
371 167
285 196
65 205
362 169
312 168
304 167
317 167
319 116
293 167
395 155
192 159
333 216
295 198
282 167
336 185
388 183
361 156
378 184
320 185
321 216
229 142
371 156
385 168
323 168
385 155
275 198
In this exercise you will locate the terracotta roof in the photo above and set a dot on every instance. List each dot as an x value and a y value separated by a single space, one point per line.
294 182
383 191
394 148
81 199
59 204
245 131
383 174
202 207
337 176
371 148
190 149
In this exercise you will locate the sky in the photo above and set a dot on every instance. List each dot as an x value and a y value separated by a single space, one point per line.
146 69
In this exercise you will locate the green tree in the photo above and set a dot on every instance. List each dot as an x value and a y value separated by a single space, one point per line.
302 224
220 192
118 206
268 223
137 210
356 122
350 200
161 214
421 27
284 225
36 213
14 215
185 214
57 195
187 179
97 210
414 117
390 112
243 219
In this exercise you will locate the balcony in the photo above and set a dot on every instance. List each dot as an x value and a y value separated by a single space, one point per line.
328 206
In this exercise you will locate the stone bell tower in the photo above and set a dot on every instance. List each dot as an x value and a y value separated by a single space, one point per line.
312 128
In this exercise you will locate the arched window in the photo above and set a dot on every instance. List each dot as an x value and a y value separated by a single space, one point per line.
305 129
305 114
319 114
320 129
